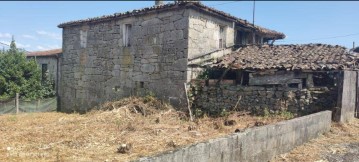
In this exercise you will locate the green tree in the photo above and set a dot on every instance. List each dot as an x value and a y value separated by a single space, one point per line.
18 75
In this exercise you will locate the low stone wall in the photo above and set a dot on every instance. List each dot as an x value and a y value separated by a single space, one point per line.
254 144
214 99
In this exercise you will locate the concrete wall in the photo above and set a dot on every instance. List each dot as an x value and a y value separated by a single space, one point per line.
97 67
254 144
204 33
256 99
347 96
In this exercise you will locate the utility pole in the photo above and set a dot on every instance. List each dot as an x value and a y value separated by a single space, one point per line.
253 34
353 45
254 10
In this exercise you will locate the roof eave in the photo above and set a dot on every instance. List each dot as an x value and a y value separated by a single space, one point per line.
154 9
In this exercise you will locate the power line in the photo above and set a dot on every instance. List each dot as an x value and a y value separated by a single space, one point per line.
4 44
9 46
223 3
340 36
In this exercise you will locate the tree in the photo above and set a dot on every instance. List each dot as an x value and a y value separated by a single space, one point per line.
18 75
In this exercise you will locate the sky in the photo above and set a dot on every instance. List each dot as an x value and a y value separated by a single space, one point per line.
34 24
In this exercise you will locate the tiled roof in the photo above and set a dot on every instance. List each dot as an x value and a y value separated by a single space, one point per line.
288 57
53 52
171 6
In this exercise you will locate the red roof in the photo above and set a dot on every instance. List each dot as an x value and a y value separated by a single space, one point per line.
53 52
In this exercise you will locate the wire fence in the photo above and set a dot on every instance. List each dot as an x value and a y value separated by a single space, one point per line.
40 105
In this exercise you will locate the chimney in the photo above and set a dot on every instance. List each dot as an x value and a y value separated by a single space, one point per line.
158 2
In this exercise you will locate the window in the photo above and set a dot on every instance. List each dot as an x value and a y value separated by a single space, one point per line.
250 39
127 35
221 40
258 39
83 38
44 71
142 84
239 37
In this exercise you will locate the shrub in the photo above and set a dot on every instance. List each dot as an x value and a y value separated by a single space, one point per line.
18 75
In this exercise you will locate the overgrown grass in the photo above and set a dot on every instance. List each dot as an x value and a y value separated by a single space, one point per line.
282 114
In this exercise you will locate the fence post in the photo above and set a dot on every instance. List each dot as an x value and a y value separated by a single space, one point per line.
38 105
188 104
17 103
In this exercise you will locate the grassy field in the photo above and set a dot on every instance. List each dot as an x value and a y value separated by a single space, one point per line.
142 126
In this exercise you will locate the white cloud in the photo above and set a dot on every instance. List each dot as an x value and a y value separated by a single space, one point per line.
40 47
5 35
47 47
20 45
54 46
49 34
29 37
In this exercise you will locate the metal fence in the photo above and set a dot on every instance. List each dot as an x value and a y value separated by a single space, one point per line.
40 105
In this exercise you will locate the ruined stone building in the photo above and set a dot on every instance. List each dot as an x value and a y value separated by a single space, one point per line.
146 51
301 79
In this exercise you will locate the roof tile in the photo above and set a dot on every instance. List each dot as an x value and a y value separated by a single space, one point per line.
53 52
168 6
289 57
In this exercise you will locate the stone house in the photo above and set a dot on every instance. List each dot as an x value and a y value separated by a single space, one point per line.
48 61
146 51
301 79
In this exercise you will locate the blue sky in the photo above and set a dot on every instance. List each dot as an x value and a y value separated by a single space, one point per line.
34 24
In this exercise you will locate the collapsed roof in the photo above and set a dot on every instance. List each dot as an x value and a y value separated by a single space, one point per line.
289 57
178 4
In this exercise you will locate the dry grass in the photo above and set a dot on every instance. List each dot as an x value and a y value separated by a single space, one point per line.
146 124
329 143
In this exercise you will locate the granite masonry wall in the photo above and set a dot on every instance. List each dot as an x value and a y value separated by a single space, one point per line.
253 144
203 39
204 33
98 67
256 99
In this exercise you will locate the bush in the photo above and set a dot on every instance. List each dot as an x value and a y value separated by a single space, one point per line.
17 75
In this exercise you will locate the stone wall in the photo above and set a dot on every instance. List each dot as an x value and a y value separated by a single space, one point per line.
254 144
256 99
204 33
97 67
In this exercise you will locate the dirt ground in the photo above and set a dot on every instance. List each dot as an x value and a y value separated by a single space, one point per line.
341 144
139 126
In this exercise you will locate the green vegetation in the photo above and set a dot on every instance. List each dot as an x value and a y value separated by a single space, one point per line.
285 114
18 75
204 75
150 96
